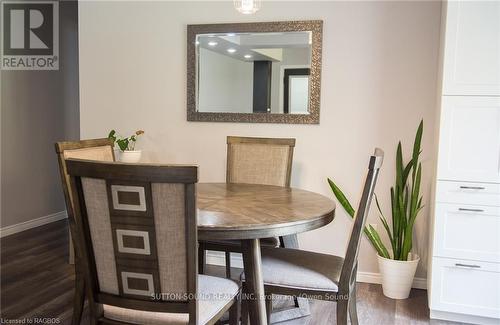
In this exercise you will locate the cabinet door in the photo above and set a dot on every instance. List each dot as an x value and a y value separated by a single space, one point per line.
472 48
467 231
469 146
465 287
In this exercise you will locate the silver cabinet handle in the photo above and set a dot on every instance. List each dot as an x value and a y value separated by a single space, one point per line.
472 266
470 210
472 187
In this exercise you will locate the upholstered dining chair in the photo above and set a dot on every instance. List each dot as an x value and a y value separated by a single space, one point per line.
250 160
301 273
92 149
136 232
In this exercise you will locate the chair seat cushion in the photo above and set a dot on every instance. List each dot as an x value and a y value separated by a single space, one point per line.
298 269
236 244
213 295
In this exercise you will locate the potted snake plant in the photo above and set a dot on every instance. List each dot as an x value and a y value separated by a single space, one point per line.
126 146
398 264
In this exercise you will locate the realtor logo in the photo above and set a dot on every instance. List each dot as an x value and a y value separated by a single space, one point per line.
30 35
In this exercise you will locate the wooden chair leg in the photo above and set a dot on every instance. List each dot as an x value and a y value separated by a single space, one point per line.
201 259
235 311
342 306
79 297
96 312
353 313
245 312
269 308
228 265
71 256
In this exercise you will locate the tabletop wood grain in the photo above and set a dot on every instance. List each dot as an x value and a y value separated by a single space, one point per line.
247 211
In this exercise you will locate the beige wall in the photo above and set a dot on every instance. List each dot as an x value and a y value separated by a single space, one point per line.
380 63
38 108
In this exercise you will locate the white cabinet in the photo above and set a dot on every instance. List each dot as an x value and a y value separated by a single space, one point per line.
469 146
472 48
465 287
464 278
467 232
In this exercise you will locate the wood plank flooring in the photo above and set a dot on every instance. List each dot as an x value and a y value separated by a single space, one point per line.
37 284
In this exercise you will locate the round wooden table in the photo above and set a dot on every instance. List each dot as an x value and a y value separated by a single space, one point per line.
249 212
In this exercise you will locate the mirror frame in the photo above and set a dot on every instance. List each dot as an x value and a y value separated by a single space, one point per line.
314 26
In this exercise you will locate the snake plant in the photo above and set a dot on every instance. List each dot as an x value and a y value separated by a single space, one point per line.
406 203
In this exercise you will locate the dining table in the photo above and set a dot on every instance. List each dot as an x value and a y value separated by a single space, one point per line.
249 212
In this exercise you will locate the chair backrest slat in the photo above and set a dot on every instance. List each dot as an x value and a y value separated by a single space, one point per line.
92 149
265 161
348 274
137 231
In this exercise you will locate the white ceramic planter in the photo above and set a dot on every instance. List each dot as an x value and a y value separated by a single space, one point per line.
130 156
397 276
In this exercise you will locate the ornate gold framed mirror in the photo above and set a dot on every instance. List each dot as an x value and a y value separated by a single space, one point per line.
254 72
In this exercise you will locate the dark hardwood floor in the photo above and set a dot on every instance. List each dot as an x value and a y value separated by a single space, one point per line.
37 284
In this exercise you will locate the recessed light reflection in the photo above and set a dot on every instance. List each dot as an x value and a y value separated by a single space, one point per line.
231 51
212 43
247 56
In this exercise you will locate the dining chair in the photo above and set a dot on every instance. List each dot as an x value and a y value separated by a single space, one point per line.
92 149
301 273
136 231
266 161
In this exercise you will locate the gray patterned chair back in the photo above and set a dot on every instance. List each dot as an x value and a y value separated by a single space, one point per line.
137 230
265 161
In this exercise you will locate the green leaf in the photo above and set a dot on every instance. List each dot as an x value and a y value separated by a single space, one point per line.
122 144
416 146
384 222
399 166
341 198
407 170
112 136
374 242
376 239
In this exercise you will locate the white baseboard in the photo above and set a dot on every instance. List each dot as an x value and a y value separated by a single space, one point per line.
10 230
218 258
370 277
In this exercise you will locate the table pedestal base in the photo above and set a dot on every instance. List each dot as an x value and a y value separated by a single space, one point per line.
254 282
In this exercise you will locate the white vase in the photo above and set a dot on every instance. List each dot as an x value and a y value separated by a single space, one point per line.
130 156
397 276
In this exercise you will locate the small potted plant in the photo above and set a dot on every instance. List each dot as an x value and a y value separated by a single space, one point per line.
397 265
126 146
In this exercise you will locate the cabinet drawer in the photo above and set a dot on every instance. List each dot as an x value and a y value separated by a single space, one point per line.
468 193
467 231
466 287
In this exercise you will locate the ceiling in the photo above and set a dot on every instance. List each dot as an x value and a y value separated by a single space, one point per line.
254 46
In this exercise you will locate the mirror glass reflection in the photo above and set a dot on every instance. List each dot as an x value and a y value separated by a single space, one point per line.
253 72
